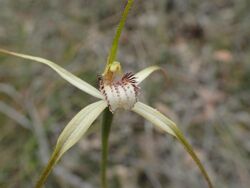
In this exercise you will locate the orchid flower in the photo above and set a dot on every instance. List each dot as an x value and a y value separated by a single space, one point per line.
115 91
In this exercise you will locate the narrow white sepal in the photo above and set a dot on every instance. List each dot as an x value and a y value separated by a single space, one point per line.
170 127
74 80
78 126
153 116
143 74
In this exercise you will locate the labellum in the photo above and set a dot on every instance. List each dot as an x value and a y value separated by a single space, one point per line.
120 94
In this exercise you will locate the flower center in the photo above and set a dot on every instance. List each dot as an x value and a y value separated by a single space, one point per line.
120 94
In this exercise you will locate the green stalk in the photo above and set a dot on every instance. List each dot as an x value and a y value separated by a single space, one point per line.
106 126
108 116
47 169
113 50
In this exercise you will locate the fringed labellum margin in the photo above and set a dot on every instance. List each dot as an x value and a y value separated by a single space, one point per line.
120 94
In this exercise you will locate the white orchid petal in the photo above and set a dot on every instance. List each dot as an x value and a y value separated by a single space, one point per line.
140 76
79 125
151 115
170 127
74 80
71 134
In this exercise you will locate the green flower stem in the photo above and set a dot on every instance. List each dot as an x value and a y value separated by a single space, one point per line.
113 50
106 126
48 169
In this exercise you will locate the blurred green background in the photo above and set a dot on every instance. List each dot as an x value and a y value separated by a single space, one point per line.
203 45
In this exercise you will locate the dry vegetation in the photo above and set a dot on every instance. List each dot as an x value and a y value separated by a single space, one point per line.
203 45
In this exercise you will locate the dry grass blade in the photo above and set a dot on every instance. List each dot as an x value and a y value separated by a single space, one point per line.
10 91
15 115
170 127
71 134
74 80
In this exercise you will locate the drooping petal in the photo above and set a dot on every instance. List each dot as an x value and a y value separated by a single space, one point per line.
152 117
170 127
140 76
71 134
79 125
74 80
